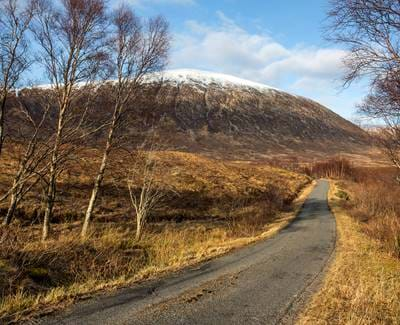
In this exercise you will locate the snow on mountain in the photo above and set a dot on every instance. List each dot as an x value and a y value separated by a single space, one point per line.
192 76
206 78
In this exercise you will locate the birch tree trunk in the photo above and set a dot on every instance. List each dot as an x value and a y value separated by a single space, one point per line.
10 210
51 189
2 113
49 204
139 226
98 181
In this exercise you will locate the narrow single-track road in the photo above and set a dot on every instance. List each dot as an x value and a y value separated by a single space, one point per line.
264 283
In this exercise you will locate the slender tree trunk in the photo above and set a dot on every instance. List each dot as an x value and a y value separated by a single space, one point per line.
46 223
96 187
138 227
11 209
51 189
50 196
100 175
2 115
14 198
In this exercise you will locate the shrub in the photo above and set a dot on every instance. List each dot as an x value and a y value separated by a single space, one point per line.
376 203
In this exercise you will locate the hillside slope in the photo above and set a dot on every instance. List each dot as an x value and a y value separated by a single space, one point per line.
222 116
215 112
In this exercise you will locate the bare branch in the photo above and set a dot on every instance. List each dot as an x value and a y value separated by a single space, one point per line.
15 20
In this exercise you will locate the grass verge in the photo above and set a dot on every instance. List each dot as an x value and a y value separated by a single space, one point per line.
363 283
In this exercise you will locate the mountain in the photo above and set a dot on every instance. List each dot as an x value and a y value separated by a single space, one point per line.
217 113
221 116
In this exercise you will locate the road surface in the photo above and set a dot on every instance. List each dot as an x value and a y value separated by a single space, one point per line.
264 283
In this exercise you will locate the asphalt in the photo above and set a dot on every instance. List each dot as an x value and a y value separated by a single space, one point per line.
265 283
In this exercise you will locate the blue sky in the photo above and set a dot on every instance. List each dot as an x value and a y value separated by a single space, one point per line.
279 43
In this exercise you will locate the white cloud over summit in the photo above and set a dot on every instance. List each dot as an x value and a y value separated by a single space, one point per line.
229 48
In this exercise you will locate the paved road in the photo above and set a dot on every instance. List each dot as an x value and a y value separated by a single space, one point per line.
265 283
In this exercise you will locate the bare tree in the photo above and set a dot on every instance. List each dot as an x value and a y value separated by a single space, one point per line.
144 190
371 31
32 158
384 103
15 19
71 35
138 48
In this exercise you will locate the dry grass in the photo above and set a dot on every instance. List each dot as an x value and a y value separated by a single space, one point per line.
222 206
363 283
377 205
197 187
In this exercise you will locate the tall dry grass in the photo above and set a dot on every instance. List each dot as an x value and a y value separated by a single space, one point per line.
37 277
376 204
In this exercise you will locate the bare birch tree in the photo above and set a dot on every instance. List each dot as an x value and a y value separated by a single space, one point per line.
15 19
138 48
32 160
71 36
370 30
145 192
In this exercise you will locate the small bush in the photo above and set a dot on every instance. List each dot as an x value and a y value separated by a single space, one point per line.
343 195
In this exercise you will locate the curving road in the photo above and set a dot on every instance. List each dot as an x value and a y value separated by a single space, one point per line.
265 283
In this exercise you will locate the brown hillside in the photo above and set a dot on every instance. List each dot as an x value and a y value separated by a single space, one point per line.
230 120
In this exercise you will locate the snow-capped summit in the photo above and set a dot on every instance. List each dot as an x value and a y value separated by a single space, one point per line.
193 76
206 78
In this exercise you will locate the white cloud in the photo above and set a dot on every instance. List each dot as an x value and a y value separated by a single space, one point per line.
317 63
228 48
